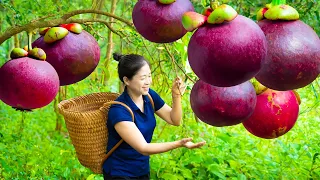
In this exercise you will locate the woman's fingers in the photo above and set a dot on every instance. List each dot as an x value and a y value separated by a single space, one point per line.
196 145
179 86
183 88
186 142
200 144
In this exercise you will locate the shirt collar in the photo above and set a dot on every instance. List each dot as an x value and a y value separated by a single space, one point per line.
129 101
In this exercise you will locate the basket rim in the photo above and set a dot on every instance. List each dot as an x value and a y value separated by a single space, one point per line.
72 101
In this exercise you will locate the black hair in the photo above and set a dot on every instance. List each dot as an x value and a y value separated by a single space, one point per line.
129 64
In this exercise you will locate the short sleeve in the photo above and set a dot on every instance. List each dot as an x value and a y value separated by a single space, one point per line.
118 113
158 101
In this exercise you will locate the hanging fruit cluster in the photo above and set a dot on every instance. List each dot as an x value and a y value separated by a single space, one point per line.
248 71
72 51
63 55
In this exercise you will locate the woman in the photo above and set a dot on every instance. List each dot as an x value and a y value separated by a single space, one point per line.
131 159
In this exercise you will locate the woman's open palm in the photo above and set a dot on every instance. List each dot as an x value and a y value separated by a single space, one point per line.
187 142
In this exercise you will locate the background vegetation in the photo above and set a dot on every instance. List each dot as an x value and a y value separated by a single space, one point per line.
36 145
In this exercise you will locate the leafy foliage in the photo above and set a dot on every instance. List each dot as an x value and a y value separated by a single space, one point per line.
31 148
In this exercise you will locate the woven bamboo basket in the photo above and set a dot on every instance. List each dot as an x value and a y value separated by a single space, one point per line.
85 118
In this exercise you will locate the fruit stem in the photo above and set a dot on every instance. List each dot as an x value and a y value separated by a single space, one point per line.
29 40
278 2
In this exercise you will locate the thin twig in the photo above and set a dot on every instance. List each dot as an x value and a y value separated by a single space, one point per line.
147 50
172 59
179 66
95 32
42 18
165 125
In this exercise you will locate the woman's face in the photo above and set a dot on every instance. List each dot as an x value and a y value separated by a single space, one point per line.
140 83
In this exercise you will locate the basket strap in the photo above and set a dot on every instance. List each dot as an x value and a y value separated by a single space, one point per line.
128 108
132 116
151 100
123 104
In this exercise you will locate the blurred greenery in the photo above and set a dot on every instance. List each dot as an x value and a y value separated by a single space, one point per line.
31 148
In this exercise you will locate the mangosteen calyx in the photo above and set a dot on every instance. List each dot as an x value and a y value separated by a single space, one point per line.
73 27
207 11
166 1
18 53
278 12
37 53
54 34
221 14
192 20
43 31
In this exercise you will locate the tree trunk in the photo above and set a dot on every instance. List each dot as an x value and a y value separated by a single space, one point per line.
106 75
62 95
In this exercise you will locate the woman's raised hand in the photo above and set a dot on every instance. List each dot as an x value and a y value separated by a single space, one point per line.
178 87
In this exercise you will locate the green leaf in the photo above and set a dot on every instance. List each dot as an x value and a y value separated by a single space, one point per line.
219 174
168 176
8 19
241 177
315 156
225 137
91 177
186 173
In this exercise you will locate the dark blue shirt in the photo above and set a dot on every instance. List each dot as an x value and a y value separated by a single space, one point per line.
126 161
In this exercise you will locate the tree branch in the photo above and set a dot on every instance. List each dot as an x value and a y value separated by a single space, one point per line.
82 21
77 12
63 20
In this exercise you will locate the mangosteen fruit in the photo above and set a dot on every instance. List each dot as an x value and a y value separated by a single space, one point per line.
74 56
222 106
28 81
228 49
293 56
275 114
160 21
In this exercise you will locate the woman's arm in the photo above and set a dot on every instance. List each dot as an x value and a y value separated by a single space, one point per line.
173 115
131 135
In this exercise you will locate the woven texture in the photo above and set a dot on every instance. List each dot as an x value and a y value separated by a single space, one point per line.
85 118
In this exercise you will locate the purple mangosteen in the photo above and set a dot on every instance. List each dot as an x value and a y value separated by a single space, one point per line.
159 22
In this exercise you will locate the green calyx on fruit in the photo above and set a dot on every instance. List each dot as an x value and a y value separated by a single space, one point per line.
42 31
55 34
207 11
258 87
18 53
192 20
278 12
260 14
281 12
166 1
221 14
73 27
268 6
37 53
